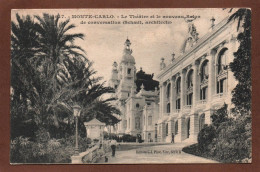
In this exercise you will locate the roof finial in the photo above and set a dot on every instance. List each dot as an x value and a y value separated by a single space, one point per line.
162 64
212 22
173 55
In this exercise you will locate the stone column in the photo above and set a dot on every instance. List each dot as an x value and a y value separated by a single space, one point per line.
172 129
161 99
183 89
172 98
194 127
195 85
182 132
212 78
208 114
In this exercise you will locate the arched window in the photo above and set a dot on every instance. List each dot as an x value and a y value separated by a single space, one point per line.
222 61
178 85
178 90
168 107
137 105
204 80
189 79
168 92
166 128
176 127
204 71
222 71
189 87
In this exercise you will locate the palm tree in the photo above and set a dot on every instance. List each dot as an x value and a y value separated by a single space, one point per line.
53 73
56 45
24 45
69 70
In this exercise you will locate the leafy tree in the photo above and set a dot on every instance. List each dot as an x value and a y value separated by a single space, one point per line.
220 116
241 66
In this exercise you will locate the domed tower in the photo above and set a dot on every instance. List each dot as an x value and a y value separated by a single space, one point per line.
127 72
114 82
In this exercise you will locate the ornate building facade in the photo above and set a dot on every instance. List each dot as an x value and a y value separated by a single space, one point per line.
193 85
140 109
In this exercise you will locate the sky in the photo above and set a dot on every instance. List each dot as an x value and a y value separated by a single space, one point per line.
104 43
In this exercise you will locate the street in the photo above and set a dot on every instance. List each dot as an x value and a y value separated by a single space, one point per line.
170 153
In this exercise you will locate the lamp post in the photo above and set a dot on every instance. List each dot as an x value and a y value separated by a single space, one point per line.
76 114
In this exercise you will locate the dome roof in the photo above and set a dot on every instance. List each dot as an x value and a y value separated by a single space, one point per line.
128 58
127 54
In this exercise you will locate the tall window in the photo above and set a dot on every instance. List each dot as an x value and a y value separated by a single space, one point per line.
222 61
137 105
189 99
178 103
204 71
204 80
189 88
189 79
222 72
203 93
168 93
178 90
168 107
178 85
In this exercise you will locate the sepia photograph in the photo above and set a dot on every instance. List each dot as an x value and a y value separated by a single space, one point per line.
130 86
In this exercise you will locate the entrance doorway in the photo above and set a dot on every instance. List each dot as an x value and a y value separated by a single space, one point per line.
149 137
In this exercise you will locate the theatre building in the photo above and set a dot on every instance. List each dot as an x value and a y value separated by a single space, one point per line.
137 97
197 82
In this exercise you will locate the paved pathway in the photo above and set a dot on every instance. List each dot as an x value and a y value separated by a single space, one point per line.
156 154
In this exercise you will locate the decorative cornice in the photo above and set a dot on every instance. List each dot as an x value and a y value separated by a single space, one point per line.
202 41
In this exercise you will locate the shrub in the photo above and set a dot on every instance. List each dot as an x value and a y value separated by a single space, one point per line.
45 149
205 137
